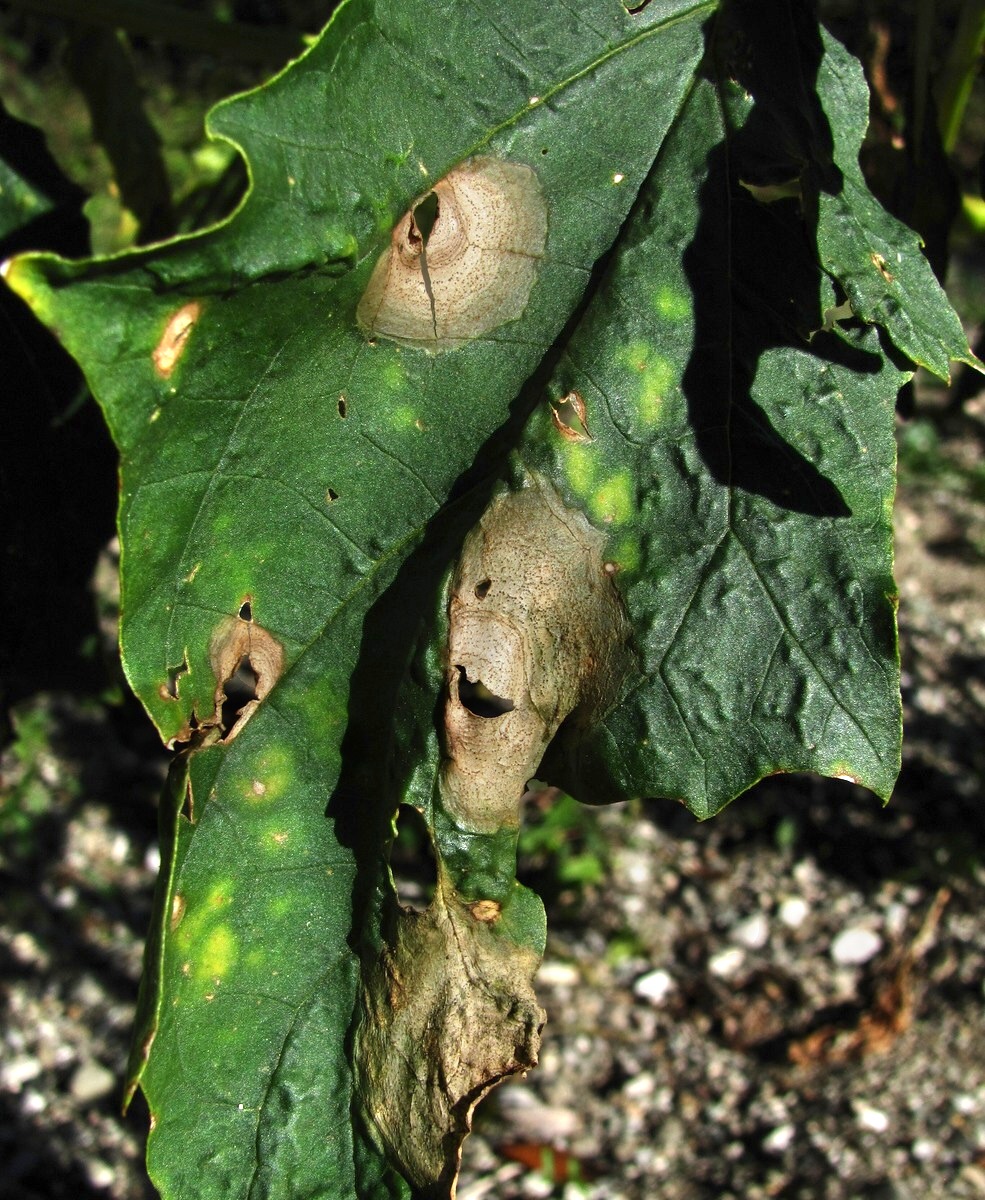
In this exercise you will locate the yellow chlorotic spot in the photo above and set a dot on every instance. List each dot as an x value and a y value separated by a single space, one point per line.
671 305
270 776
393 376
612 503
580 466
402 416
201 916
220 895
657 377
280 906
626 554
217 954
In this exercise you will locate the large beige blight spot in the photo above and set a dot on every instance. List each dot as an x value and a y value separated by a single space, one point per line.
472 270
536 633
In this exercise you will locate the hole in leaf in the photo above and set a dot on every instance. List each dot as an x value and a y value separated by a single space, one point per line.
240 689
482 589
342 406
246 611
170 689
425 218
479 700
412 863
331 496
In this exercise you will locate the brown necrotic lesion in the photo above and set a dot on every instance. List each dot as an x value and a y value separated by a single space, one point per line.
462 260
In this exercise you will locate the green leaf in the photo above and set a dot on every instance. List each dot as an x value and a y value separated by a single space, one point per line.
744 463
300 466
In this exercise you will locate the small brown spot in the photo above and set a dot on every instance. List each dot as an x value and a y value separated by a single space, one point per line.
259 788
172 344
611 568
570 418
186 969
880 264
279 838
487 911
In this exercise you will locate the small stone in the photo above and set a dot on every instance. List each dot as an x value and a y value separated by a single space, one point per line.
101 1174
794 912
655 986
17 1071
753 932
558 974
780 1138
923 1150
91 1081
855 946
33 1102
640 1087
727 963
873 1119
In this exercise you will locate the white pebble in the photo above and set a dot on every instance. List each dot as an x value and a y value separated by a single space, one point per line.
780 1138
753 932
923 1150
873 1119
91 1081
640 1087
101 1174
855 946
727 963
655 986
32 1102
17 1071
557 974
152 859
794 911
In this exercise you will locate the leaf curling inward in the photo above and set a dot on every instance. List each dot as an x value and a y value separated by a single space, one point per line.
537 632
471 270
238 645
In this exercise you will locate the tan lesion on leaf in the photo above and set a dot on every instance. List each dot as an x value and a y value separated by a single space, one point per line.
241 644
536 622
450 1011
175 337
462 260
537 634
570 417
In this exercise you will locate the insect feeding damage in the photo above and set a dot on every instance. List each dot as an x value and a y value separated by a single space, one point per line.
462 260
449 1004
